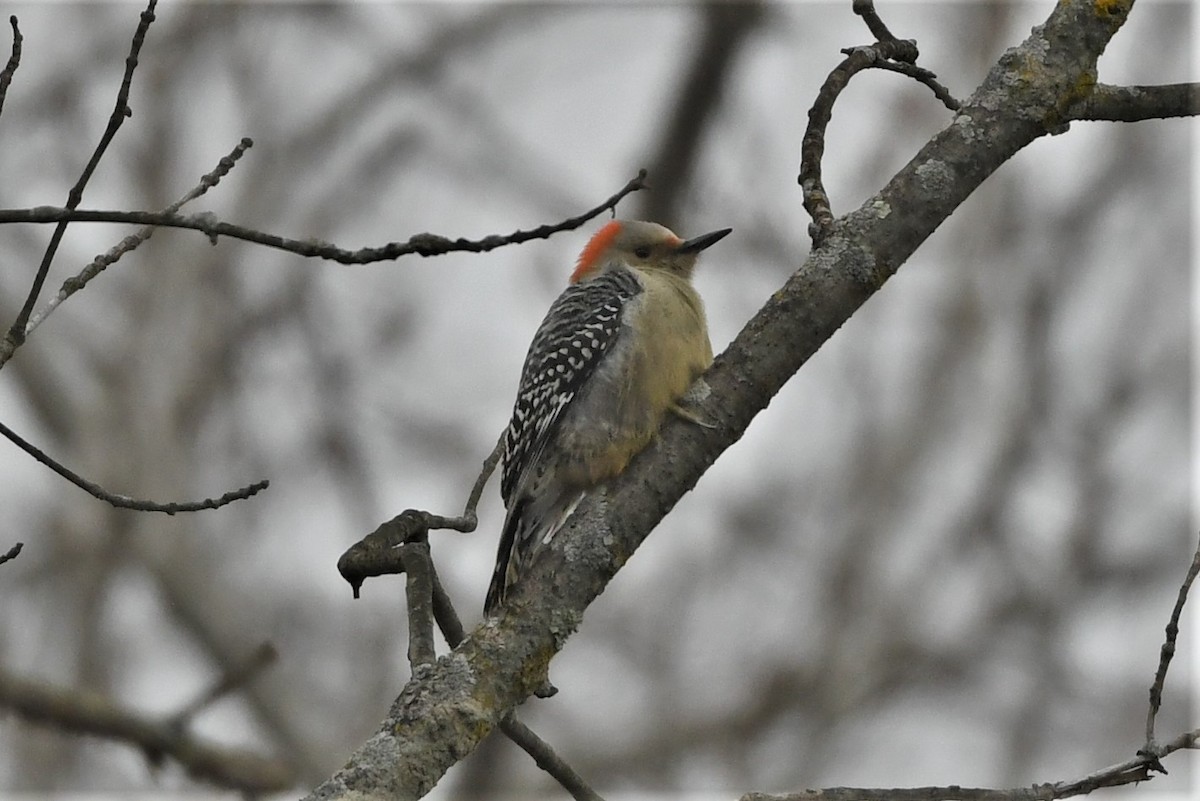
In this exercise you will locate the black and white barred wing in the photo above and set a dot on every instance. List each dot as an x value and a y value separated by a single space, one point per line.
582 324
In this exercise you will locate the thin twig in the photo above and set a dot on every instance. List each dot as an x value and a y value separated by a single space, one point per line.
401 546
1130 771
121 110
1165 654
84 712
12 553
924 76
234 678
467 522
134 240
418 244
14 61
124 501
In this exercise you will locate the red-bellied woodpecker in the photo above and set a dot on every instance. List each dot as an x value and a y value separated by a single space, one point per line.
618 349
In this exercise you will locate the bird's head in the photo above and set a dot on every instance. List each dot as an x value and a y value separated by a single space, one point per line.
642 245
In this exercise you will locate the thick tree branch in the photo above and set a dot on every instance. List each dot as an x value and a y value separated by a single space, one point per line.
401 546
1137 103
442 715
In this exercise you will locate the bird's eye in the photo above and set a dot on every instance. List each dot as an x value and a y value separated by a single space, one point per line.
642 253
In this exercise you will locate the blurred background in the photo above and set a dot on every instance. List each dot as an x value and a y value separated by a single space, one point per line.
945 553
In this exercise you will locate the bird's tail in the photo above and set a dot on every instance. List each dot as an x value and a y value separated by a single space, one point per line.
528 525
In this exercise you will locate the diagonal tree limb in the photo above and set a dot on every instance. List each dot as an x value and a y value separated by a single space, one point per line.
545 756
441 716
428 602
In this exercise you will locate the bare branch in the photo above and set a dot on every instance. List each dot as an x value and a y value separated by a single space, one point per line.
90 713
401 546
121 110
124 501
418 244
888 53
131 242
812 146
905 60
1128 772
14 61
547 759
1151 748
1137 103
377 553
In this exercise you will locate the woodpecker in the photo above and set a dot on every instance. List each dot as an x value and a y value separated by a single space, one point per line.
618 349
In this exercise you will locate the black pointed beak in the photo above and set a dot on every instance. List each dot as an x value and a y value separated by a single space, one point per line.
699 243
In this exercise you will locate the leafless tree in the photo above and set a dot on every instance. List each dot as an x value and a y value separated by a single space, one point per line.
942 556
